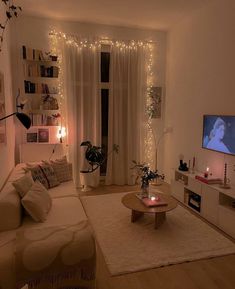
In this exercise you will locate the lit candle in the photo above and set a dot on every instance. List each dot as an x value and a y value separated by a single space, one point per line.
153 198
207 172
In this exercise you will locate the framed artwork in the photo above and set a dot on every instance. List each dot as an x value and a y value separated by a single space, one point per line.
156 102
43 135
2 110
32 137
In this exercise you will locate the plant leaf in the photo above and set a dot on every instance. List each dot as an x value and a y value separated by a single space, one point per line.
8 14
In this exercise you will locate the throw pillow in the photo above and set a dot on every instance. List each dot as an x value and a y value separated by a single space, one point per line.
62 169
23 184
45 174
37 202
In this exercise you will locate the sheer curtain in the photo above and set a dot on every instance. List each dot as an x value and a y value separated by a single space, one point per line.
126 112
81 67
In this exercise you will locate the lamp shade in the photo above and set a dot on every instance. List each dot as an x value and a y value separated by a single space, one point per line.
24 119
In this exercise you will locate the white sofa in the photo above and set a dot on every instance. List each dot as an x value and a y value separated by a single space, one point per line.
66 211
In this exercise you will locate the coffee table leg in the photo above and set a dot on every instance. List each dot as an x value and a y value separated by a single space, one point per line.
159 219
135 215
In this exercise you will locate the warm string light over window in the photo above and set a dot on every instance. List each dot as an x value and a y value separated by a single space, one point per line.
149 139
55 49
56 38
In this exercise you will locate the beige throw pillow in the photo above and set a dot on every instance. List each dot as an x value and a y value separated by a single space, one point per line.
23 184
45 174
62 169
37 202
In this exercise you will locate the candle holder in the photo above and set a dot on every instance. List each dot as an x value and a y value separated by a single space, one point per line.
226 181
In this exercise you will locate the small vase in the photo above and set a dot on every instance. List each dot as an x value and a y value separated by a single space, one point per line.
145 191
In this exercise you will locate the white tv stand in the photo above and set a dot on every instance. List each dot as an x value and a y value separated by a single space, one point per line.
213 203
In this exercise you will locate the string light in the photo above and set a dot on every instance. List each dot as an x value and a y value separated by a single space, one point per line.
56 38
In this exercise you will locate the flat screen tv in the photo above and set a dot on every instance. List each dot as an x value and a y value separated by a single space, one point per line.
219 133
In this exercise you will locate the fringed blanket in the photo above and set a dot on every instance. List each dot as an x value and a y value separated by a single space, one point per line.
56 257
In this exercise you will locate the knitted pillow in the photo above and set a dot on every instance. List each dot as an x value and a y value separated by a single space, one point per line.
45 174
62 169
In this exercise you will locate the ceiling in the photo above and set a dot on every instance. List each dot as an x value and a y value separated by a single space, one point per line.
153 14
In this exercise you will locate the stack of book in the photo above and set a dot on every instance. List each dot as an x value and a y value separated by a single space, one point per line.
208 180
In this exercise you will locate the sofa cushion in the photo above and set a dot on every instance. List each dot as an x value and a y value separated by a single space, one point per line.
44 174
62 168
37 202
7 261
64 211
10 208
23 184
64 190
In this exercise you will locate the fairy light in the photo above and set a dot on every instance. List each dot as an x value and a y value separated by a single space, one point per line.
56 38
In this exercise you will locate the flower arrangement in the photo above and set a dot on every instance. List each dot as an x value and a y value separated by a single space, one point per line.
144 171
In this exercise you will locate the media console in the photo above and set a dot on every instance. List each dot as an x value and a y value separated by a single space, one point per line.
213 203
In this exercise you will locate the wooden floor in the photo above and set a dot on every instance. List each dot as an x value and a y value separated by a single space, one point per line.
215 273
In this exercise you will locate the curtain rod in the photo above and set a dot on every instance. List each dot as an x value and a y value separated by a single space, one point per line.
53 33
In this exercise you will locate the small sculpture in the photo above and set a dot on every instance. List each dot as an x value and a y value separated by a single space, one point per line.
183 166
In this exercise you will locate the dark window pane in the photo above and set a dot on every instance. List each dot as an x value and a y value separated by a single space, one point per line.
105 61
104 124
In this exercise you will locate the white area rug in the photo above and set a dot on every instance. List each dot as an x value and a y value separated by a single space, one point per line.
129 247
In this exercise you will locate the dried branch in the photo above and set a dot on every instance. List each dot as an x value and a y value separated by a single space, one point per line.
11 11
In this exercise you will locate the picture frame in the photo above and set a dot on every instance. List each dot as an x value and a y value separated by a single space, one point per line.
31 137
155 108
2 110
43 135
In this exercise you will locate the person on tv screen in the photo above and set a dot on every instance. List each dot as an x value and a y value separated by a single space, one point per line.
217 135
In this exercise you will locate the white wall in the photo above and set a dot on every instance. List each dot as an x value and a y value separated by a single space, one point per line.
200 80
33 32
7 150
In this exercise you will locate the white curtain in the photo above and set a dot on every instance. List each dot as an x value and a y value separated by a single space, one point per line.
126 112
81 69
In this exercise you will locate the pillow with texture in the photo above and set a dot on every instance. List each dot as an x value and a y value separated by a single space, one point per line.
37 202
45 174
23 184
62 169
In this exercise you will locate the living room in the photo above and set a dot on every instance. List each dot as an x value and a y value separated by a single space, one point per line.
193 63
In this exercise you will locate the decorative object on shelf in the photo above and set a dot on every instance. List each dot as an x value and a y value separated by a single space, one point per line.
22 117
193 167
95 156
183 166
49 103
146 175
226 181
11 11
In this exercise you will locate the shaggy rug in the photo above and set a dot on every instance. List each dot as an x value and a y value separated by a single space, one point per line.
130 247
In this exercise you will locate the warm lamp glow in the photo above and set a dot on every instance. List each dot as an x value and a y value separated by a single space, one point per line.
61 133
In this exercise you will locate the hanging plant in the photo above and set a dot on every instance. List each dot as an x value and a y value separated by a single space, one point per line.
11 11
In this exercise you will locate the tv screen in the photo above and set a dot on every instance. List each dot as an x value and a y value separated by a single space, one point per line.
219 133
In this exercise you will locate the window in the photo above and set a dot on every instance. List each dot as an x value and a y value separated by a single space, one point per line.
104 86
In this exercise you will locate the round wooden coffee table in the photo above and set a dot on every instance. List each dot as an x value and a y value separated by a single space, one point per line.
138 208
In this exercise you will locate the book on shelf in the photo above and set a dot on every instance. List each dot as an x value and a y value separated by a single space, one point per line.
209 180
152 200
